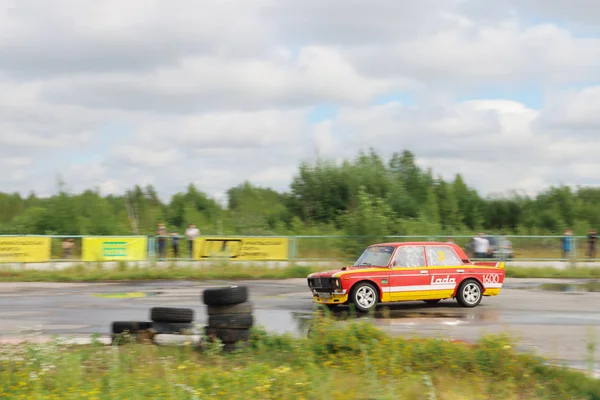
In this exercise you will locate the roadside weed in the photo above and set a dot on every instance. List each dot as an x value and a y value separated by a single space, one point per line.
340 360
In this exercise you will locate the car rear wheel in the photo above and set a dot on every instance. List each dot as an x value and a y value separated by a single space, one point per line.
365 296
469 293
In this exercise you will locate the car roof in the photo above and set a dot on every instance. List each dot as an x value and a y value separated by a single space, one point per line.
398 244
456 247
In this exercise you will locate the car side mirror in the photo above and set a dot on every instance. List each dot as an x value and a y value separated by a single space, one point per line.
394 263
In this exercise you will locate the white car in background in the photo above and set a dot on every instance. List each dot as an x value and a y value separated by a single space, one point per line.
500 248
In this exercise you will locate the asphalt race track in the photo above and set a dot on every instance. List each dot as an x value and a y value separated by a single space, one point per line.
556 325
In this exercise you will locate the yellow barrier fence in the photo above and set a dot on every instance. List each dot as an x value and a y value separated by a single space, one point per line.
24 249
257 249
114 249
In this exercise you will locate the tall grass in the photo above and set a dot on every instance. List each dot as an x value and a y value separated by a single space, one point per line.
338 361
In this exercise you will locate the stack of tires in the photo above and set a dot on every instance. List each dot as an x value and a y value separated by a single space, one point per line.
164 321
172 321
134 330
229 315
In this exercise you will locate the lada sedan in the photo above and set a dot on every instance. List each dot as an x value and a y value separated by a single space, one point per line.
408 271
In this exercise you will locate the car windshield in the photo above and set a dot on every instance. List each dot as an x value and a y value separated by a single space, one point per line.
375 256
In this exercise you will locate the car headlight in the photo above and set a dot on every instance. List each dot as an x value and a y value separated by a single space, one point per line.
336 283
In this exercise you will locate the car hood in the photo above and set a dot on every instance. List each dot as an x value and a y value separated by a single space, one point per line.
329 274
324 274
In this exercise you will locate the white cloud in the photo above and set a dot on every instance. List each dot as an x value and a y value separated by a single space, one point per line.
16 161
113 94
462 58
574 112
495 145
66 36
138 156
206 83
583 14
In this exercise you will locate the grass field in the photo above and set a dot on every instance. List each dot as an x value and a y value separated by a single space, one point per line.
351 361
96 272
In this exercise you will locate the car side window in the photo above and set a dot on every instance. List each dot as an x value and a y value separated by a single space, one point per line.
438 256
409 257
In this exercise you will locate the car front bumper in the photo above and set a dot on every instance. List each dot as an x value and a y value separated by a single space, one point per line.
335 297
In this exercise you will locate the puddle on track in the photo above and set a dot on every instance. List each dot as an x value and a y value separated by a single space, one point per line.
126 295
298 323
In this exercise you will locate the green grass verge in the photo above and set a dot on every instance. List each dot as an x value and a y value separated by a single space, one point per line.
95 273
350 361
549 272
590 286
98 273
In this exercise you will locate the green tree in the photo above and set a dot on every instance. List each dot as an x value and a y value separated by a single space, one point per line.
370 220
324 197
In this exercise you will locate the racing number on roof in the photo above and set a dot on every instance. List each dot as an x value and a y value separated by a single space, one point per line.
230 248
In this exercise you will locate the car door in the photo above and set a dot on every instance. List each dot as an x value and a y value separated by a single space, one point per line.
445 270
409 276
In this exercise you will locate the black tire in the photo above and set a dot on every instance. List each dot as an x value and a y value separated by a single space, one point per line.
171 327
170 314
132 327
228 335
234 321
224 296
370 294
469 293
241 308
231 347
432 301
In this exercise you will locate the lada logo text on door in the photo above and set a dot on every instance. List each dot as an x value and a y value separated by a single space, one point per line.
441 281
494 278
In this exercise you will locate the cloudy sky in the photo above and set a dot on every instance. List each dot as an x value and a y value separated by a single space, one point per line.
113 93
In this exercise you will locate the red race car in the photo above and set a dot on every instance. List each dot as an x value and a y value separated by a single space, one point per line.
408 271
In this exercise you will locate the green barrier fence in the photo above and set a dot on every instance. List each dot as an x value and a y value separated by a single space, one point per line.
14 248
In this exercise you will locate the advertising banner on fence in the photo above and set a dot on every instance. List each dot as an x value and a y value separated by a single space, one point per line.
258 249
114 249
26 249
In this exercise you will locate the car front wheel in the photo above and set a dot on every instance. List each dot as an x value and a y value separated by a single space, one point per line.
469 293
365 296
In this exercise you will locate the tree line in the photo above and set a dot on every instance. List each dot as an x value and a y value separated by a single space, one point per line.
367 195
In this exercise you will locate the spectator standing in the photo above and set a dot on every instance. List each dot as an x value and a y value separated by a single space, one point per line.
67 246
481 246
162 233
592 240
191 233
175 244
567 243
504 246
